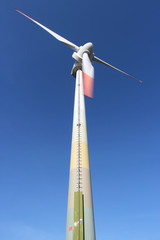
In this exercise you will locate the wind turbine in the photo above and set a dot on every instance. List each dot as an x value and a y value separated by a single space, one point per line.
80 219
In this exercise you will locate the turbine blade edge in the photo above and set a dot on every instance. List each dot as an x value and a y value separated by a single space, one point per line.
58 37
98 60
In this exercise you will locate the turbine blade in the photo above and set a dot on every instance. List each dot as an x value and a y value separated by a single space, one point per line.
88 76
96 59
58 37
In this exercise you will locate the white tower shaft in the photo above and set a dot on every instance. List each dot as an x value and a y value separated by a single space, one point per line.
79 169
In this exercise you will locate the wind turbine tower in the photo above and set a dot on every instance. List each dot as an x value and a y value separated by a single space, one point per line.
80 217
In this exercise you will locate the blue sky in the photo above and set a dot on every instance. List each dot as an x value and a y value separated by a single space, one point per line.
36 112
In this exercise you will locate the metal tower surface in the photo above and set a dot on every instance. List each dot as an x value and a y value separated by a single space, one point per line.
80 218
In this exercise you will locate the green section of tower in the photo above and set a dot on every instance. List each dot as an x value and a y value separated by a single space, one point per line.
78 216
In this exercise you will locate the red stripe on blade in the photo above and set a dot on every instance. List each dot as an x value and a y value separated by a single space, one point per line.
135 78
24 15
88 85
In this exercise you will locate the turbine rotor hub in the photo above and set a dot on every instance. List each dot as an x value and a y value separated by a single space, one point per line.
88 48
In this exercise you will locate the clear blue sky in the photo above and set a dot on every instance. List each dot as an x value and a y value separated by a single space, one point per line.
36 107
